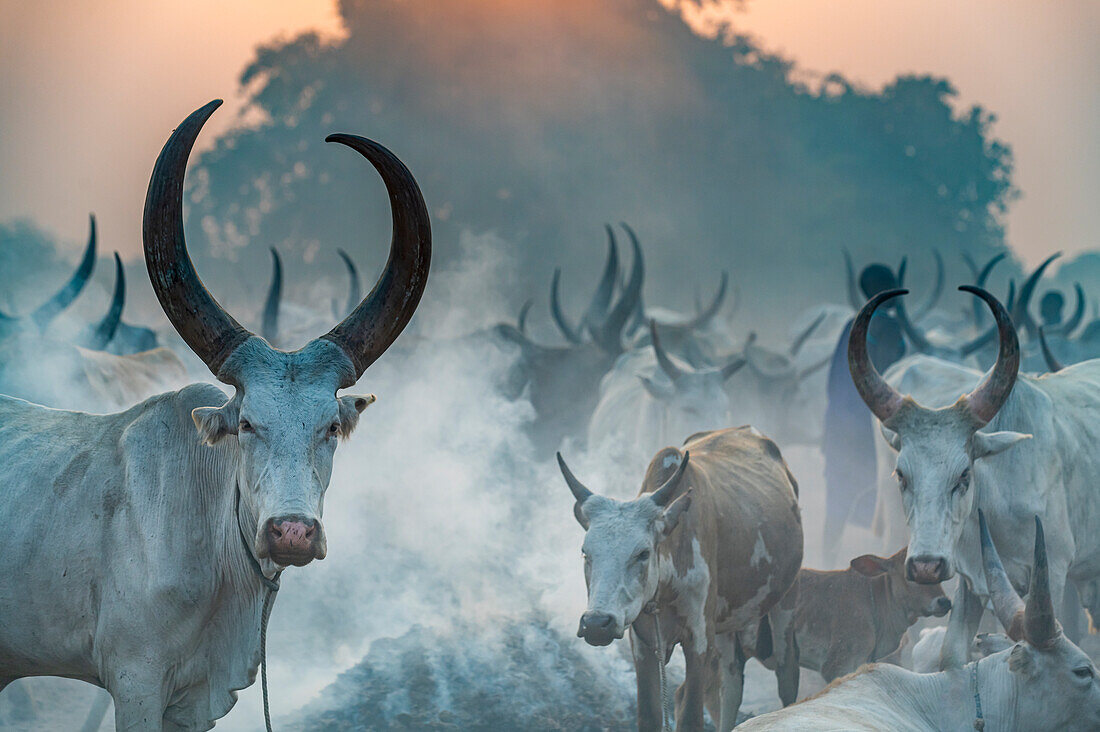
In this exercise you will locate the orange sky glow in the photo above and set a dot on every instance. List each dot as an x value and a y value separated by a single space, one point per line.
91 90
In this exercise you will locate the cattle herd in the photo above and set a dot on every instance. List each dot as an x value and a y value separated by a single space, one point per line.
148 520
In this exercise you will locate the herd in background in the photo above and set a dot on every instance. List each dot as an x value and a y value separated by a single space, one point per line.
969 469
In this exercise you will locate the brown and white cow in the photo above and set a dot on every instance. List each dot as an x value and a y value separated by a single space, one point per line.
850 617
709 547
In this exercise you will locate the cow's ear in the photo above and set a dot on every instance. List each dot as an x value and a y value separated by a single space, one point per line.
672 515
1022 660
579 514
986 444
214 423
893 439
870 566
351 406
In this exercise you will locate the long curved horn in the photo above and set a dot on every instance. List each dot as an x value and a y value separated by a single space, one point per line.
854 297
65 296
558 315
269 328
521 321
1069 325
732 366
375 323
1053 365
912 332
1040 626
990 334
355 290
672 371
1020 313
107 327
881 398
971 265
1007 605
937 289
980 279
609 335
995 388
601 299
579 490
707 314
900 274
801 338
663 495
205 327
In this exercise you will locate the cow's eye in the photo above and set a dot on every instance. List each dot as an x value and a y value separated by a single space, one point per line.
1085 672
334 428
962 483
902 480
244 426
642 556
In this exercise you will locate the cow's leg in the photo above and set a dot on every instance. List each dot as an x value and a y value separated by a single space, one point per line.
962 625
1074 622
785 647
731 675
140 699
648 675
689 707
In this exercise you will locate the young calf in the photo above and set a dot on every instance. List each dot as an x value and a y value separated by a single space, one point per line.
854 616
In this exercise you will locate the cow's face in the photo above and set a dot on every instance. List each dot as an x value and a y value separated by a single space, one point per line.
1057 684
696 401
287 419
917 600
620 560
936 464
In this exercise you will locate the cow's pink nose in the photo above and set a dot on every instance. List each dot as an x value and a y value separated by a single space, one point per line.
292 539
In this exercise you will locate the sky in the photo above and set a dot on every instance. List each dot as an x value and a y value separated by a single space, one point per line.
91 91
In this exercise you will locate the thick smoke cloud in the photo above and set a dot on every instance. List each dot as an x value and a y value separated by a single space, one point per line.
541 121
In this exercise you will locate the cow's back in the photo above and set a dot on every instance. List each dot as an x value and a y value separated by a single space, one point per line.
744 521
71 501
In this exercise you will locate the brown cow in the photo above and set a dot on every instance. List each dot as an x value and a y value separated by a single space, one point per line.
710 546
858 615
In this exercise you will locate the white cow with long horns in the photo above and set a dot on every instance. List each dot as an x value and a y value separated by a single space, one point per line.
1015 447
141 546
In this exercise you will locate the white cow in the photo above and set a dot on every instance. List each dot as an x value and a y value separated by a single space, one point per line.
1044 682
650 399
141 548
1016 446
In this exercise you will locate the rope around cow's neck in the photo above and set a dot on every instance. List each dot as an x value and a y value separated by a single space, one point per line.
979 720
272 586
659 652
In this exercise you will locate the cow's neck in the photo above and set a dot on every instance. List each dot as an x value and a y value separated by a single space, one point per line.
947 700
231 635
891 619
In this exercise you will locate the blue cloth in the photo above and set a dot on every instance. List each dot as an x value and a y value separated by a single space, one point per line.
848 441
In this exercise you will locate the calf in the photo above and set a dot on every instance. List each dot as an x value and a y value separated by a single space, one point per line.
853 616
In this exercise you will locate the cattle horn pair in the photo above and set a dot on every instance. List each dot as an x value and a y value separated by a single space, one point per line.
983 403
674 372
1034 620
662 496
211 332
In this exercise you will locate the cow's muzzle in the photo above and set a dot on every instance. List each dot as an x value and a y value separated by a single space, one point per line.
294 540
598 629
926 569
